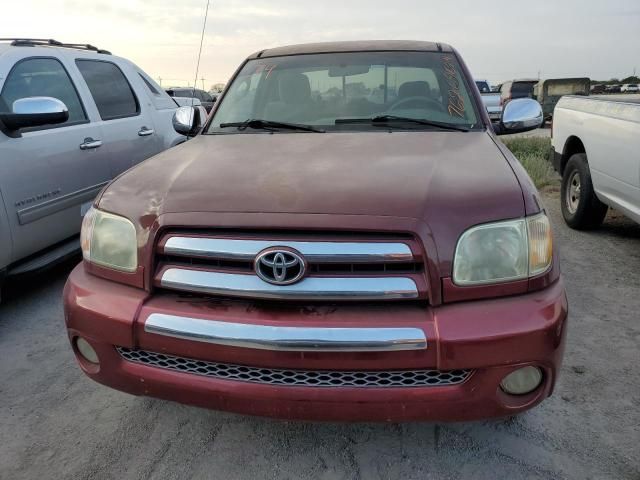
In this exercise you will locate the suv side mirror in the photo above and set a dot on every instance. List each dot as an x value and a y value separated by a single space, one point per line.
34 112
188 120
520 115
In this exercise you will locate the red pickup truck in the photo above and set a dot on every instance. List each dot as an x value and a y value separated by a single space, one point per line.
346 239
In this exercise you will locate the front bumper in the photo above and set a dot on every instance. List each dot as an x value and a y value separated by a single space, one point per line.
490 337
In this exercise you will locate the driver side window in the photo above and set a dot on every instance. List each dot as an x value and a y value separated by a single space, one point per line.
43 77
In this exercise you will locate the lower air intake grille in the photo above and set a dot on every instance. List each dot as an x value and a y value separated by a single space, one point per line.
304 378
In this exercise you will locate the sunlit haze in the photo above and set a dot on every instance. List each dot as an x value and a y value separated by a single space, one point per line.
498 39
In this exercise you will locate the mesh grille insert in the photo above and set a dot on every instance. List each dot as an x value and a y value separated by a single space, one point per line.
305 378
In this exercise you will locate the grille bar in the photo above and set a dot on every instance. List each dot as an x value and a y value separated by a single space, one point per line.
310 288
236 249
337 269
293 339
302 378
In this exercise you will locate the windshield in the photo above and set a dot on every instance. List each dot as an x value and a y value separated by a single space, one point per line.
523 88
559 89
185 93
483 87
328 90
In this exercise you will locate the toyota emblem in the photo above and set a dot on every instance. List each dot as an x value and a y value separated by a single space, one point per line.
279 267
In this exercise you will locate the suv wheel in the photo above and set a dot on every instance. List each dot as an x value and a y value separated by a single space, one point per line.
581 208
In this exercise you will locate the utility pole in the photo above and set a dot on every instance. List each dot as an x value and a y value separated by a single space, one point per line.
202 83
160 80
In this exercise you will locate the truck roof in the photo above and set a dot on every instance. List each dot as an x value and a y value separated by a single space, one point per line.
39 48
354 46
50 42
565 79
622 98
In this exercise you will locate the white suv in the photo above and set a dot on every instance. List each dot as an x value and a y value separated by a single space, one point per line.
72 117
630 88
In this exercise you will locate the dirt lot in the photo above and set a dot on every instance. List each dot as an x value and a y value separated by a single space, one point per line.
55 423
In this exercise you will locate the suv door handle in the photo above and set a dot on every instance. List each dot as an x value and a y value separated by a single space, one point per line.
90 143
145 132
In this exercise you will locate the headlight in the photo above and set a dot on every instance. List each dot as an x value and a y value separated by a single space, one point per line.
109 240
503 251
540 244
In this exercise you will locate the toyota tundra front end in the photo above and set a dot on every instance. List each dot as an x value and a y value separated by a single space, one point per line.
346 240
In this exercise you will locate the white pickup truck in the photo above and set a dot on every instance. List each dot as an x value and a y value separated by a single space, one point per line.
595 147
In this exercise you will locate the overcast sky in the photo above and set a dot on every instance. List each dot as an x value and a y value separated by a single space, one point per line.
498 39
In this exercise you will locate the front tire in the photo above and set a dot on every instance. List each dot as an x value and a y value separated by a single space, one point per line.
581 208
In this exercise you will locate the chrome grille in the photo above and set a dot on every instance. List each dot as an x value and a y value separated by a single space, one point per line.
302 378
337 269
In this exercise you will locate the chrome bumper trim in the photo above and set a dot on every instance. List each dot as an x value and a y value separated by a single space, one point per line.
311 288
298 339
231 249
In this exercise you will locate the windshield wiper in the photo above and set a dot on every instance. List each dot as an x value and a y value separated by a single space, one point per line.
389 119
259 124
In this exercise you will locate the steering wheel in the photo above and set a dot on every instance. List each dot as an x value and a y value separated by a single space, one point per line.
425 101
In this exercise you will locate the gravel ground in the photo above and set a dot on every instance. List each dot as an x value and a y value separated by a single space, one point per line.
56 423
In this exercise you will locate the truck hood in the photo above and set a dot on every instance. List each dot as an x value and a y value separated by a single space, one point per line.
446 180
405 174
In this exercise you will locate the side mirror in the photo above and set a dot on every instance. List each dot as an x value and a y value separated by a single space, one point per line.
34 112
188 120
520 115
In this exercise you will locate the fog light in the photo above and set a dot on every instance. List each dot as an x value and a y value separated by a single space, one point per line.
86 350
522 381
